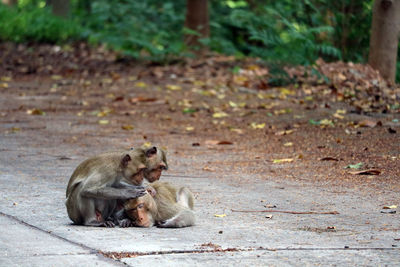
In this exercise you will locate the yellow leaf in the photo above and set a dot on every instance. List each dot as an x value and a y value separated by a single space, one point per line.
173 87
240 79
390 207
341 111
56 77
236 130
4 85
286 91
338 116
35 111
127 127
141 84
102 122
147 145
132 78
257 125
6 79
285 132
326 122
107 80
221 114
233 104
189 128
281 160
79 114
198 83
220 215
288 144
15 129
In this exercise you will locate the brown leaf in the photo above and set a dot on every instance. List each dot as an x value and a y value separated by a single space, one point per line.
369 123
366 172
142 99
218 142
329 158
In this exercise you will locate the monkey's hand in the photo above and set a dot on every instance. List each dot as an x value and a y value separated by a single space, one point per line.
108 224
125 223
151 190
133 192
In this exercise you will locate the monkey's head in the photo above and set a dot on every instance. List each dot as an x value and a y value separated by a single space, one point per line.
156 162
133 166
142 210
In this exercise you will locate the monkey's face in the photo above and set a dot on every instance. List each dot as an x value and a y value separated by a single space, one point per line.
137 178
153 175
142 211
155 164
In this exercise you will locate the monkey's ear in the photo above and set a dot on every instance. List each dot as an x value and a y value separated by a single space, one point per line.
151 152
125 160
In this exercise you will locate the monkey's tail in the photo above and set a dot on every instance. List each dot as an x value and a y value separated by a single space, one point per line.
184 218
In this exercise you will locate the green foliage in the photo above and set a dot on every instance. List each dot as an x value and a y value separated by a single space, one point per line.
151 29
35 24
279 32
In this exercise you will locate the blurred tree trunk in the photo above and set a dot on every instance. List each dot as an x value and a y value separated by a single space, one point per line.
59 7
197 20
10 2
384 39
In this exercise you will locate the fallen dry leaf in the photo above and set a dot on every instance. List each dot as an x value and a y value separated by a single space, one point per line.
173 87
282 160
390 207
366 172
221 114
142 99
329 158
103 122
218 142
220 215
285 132
127 127
35 111
257 125
141 84
369 123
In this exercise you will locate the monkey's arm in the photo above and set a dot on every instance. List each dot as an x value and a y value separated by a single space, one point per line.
107 192
123 185
121 219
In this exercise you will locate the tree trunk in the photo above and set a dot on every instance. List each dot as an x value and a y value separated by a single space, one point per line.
197 20
10 2
385 37
59 7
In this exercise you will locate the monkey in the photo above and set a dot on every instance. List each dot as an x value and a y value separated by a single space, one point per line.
164 205
98 183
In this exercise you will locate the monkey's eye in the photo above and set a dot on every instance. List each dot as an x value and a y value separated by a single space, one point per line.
163 167
140 206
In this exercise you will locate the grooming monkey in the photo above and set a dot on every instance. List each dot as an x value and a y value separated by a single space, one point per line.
99 182
164 205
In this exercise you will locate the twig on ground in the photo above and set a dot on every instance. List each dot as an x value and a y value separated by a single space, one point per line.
290 212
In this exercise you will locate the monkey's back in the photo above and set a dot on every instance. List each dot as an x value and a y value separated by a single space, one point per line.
101 163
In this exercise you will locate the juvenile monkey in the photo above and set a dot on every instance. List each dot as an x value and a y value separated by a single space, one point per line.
97 183
164 205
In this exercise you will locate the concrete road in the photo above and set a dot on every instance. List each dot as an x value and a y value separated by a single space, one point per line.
36 163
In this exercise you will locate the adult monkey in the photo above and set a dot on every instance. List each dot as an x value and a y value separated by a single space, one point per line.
99 182
164 205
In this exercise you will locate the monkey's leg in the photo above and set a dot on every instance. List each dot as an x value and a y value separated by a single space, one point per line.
185 197
95 212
